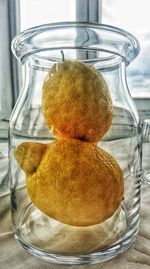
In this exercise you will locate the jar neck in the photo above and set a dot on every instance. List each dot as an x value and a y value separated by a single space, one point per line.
114 73
115 76
33 78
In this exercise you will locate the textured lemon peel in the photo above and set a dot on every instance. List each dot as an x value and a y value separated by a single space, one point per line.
76 102
29 156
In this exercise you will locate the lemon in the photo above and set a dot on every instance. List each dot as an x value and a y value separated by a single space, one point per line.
76 183
76 102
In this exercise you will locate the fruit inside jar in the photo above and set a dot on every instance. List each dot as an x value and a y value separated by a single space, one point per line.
72 179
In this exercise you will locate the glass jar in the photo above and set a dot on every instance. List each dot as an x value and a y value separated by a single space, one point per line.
109 50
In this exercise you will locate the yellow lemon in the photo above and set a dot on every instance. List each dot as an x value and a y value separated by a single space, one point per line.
76 182
76 102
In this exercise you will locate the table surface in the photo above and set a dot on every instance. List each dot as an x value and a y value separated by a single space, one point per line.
12 256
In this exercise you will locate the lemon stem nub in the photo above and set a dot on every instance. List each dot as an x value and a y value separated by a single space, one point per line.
29 156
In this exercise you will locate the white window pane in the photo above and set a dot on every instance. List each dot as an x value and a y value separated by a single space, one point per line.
36 12
6 100
134 17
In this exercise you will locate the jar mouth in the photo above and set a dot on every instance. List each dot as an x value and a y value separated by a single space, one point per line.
100 59
75 40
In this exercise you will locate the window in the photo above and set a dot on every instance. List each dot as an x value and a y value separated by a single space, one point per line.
133 16
124 14
36 12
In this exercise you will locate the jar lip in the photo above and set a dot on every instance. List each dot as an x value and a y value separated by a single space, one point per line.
95 37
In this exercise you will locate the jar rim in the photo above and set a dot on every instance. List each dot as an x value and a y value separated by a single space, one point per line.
78 35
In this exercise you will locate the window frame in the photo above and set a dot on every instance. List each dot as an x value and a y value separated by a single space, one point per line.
14 29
